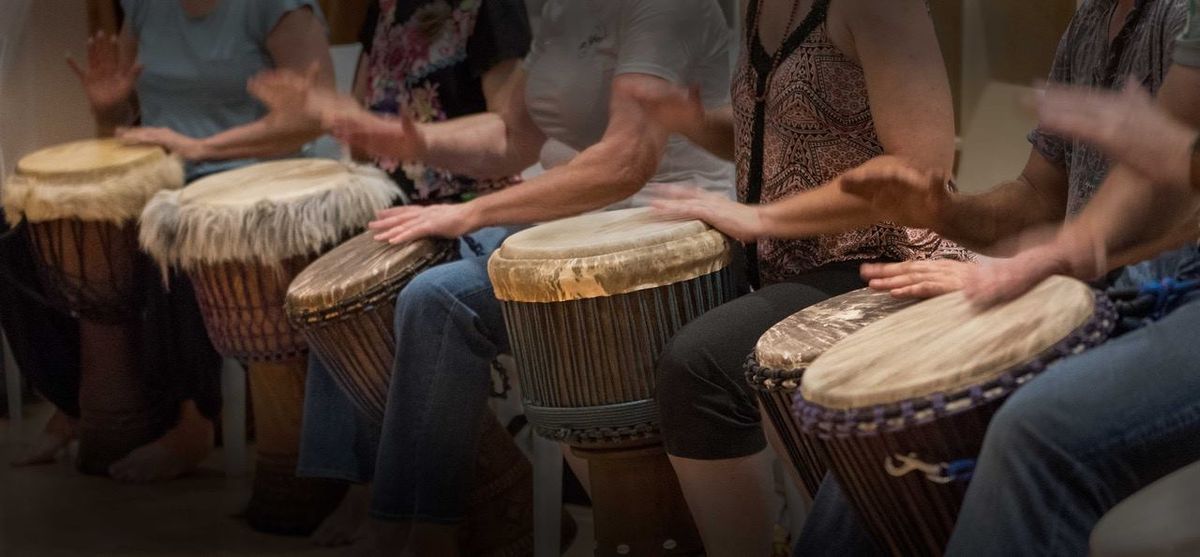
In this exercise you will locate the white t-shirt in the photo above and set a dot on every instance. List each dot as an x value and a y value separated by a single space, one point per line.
582 45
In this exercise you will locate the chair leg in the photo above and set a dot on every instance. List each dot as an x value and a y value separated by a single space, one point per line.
12 384
233 418
547 497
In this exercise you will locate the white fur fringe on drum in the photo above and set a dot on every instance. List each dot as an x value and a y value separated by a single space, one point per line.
267 232
110 197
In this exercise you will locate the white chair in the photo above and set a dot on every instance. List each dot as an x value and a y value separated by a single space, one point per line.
233 418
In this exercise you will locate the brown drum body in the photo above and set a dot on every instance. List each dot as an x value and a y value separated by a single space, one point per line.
90 269
243 311
590 302
901 406
786 350
344 305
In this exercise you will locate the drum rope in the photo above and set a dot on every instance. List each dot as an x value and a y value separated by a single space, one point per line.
959 470
1153 299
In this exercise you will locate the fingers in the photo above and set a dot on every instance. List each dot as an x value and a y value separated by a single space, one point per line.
925 290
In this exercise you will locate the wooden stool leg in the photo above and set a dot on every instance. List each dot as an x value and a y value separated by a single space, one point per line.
115 415
282 503
233 418
639 508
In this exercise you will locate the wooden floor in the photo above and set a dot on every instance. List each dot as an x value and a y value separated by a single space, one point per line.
53 510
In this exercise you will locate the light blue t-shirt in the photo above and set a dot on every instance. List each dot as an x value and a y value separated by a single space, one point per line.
196 69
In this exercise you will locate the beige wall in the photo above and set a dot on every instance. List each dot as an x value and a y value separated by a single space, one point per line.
41 102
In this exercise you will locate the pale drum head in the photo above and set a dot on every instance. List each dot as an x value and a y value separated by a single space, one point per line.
945 345
100 180
796 342
359 269
91 157
604 254
264 213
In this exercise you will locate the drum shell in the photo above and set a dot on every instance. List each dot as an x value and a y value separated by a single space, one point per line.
356 341
807 457
908 515
88 267
586 355
243 308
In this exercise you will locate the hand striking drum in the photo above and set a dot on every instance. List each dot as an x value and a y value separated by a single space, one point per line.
344 305
81 201
242 236
590 302
901 406
781 356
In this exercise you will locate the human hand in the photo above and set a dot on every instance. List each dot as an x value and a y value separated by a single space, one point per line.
411 222
108 80
739 221
1127 125
901 193
187 147
285 93
918 279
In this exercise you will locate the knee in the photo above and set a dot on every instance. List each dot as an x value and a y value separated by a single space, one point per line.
686 362
1028 423
425 292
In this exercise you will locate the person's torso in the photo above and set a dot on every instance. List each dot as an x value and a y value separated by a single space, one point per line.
418 66
817 125
571 69
194 80
1142 52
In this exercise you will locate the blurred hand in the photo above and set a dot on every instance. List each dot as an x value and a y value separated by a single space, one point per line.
411 222
918 279
677 109
739 221
397 138
107 80
1126 125
901 193
1072 253
285 94
187 147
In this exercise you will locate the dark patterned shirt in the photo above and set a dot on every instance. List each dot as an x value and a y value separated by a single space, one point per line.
818 125
1142 51
426 59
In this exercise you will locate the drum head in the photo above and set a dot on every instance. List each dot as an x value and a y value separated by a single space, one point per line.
361 269
604 254
278 182
795 342
944 345
264 213
90 157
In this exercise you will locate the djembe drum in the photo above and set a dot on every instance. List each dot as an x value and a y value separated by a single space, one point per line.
242 236
344 305
900 407
81 201
777 365
590 302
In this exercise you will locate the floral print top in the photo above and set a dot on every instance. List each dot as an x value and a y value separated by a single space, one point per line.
426 59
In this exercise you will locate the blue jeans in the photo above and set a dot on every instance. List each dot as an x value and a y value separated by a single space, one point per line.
1092 430
420 460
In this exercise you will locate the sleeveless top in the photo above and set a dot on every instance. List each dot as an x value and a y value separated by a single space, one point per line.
813 124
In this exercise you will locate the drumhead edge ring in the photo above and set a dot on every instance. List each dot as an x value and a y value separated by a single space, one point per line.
826 422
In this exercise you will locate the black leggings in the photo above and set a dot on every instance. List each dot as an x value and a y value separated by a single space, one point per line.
176 359
708 410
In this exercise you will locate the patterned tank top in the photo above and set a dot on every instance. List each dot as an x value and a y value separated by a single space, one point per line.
816 124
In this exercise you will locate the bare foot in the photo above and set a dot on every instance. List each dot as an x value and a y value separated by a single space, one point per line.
53 439
174 454
345 525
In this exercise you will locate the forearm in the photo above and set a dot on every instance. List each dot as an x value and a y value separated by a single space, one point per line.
478 145
109 119
990 223
1131 219
262 138
824 210
596 178
715 134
